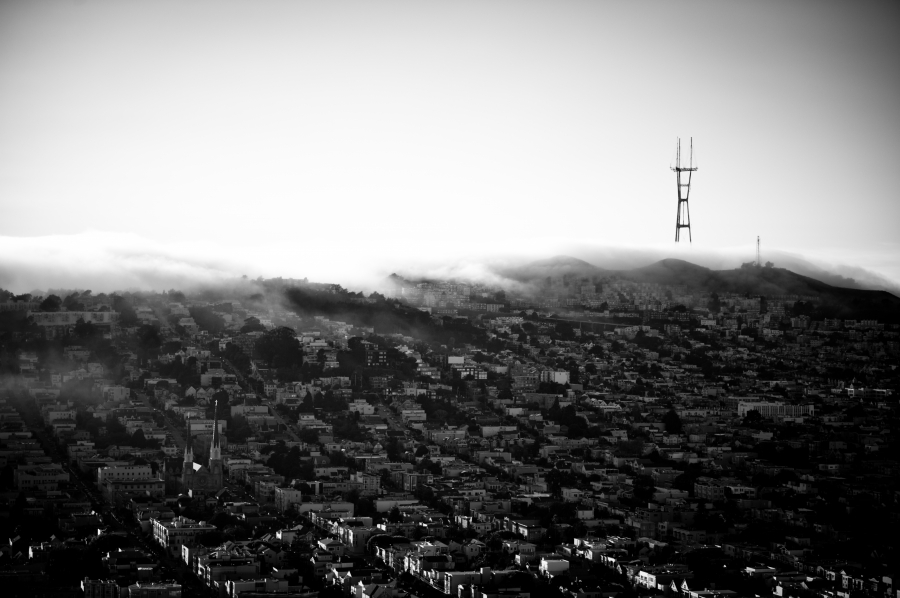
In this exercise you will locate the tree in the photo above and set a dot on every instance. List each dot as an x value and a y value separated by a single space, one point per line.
127 315
206 319
307 405
171 347
138 439
73 303
309 436
252 325
84 329
752 419
644 488
279 348
148 337
672 422
239 430
51 303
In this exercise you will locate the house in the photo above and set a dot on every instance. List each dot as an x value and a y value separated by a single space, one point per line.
551 567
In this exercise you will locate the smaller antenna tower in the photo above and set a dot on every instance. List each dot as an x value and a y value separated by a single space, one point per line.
758 263
683 218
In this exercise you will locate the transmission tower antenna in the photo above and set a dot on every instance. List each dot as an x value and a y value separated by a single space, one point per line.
683 217
758 263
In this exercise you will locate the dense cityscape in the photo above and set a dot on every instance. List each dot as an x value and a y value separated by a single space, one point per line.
573 437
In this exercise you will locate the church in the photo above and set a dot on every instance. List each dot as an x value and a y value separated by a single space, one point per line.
198 479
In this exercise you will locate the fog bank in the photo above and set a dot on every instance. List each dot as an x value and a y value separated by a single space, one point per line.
107 262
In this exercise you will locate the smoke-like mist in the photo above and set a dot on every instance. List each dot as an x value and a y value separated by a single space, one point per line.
106 262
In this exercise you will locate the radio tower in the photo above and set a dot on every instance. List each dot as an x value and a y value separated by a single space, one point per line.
683 219
758 263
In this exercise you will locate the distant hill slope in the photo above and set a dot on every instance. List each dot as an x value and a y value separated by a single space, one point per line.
836 301
671 272
557 266
563 261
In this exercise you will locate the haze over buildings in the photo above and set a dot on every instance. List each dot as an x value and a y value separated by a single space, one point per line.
537 395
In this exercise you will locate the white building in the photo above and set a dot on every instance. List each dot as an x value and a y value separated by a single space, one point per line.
124 472
551 567
361 407
559 377
775 409
413 415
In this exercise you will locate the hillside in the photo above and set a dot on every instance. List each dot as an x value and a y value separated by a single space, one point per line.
835 301
558 266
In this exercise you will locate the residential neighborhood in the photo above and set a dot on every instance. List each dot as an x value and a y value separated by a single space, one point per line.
577 439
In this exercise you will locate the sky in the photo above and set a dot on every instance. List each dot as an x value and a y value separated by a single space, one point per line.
145 143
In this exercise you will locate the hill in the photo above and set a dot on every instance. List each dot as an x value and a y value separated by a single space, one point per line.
834 301
671 272
558 266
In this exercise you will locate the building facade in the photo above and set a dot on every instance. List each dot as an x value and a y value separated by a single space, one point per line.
203 480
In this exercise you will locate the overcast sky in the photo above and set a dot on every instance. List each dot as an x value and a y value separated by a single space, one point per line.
321 138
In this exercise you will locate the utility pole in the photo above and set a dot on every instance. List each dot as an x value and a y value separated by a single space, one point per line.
683 217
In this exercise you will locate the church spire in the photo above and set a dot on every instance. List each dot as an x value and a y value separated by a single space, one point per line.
215 451
188 449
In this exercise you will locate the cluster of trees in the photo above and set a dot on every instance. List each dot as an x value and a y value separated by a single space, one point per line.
288 462
138 440
14 326
230 529
185 372
206 319
442 412
348 427
252 324
752 419
236 356
74 301
280 350
576 425
116 434
429 466
553 388
387 316
19 332
672 422
643 489
127 315
238 430
326 401
148 341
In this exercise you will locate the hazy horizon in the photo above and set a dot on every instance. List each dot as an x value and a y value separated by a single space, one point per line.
106 262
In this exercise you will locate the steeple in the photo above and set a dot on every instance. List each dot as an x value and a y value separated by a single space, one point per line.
215 451
188 449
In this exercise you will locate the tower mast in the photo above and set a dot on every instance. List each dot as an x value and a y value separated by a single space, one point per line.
683 217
